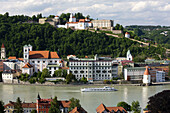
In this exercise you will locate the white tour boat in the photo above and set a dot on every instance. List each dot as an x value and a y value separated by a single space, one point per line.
104 89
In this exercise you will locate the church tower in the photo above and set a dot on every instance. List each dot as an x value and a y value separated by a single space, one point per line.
3 52
26 50
146 77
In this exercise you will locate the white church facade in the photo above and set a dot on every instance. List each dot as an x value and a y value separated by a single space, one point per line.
38 60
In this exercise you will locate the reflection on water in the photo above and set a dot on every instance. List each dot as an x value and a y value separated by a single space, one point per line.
89 100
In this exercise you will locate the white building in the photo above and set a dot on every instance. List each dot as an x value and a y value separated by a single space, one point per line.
13 64
81 24
160 76
129 56
71 57
127 35
146 77
28 68
103 23
93 69
3 52
41 59
134 73
9 76
27 107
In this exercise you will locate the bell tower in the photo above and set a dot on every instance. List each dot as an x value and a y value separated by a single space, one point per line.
3 52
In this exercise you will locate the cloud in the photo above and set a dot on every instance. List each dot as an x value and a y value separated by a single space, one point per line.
125 12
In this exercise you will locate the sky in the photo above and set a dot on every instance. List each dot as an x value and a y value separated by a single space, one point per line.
124 12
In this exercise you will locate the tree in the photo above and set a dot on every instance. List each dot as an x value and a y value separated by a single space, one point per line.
45 73
18 106
125 105
136 107
70 77
54 108
160 102
84 80
34 111
74 103
2 107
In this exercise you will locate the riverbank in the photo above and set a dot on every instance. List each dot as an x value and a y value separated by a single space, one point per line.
83 85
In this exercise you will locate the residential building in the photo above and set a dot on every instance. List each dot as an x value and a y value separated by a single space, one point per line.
3 52
127 35
28 68
43 105
78 110
103 109
27 107
93 69
10 75
103 24
13 64
160 76
42 59
134 73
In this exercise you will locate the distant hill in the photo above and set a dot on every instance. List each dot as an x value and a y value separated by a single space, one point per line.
15 34
155 34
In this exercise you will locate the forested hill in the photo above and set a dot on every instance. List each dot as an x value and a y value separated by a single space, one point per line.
15 35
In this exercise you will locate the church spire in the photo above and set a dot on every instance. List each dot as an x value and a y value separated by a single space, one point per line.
38 97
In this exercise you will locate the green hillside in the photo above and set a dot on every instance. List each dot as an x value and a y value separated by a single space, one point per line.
15 32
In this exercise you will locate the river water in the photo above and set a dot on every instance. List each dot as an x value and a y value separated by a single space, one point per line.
89 100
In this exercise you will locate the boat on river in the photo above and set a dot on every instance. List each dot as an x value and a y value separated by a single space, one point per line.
104 89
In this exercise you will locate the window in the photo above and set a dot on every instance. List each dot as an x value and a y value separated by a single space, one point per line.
25 56
32 61
38 61
43 61
82 71
54 68
75 71
51 61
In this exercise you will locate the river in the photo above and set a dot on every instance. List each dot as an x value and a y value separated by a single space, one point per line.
89 100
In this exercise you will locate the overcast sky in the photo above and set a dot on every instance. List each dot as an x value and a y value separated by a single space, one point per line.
125 12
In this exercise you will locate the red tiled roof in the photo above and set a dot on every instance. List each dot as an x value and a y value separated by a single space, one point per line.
54 55
127 61
71 55
21 59
116 109
82 20
78 110
127 33
24 105
2 46
146 71
65 104
29 105
102 108
64 68
9 104
72 22
28 65
38 54
42 54
12 57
